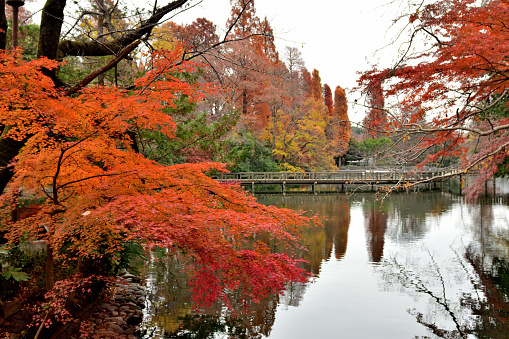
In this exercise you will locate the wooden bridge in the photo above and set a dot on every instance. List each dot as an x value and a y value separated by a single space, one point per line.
347 177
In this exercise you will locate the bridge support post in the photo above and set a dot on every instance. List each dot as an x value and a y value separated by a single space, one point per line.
253 187
314 188
283 187
461 184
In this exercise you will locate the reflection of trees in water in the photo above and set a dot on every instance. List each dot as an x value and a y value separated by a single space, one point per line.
172 315
493 309
217 321
488 255
293 295
407 216
481 310
490 228
168 296
376 224
319 241
424 277
482 273
337 228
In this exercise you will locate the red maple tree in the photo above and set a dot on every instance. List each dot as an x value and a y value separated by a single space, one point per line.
458 82
98 193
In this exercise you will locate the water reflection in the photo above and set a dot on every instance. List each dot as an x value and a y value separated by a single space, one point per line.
170 314
376 225
417 266
320 242
456 272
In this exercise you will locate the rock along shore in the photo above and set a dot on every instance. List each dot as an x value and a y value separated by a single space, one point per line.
115 314
120 311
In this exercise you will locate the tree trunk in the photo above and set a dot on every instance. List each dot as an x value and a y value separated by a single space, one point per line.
100 31
49 274
244 102
52 18
274 131
8 150
3 26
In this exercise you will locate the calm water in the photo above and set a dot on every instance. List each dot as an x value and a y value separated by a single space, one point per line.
418 266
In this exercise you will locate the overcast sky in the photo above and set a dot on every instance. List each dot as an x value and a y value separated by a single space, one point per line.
339 38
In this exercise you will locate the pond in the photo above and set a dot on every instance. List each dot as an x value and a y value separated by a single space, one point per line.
423 265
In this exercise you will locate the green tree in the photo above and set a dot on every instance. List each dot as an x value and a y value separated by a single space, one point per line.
245 153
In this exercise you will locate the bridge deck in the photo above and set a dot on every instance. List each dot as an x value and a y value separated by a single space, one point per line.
340 177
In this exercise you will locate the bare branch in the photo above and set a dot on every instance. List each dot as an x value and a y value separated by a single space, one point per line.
113 62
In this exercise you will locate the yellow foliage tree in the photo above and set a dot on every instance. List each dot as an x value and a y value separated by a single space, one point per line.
300 136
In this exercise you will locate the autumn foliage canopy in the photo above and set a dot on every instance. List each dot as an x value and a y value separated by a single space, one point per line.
96 193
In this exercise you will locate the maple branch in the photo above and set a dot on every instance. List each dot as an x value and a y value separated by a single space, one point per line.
457 172
230 60
216 72
55 176
493 68
42 323
113 62
202 52
461 128
236 19
93 177
492 104
82 14
440 43
60 162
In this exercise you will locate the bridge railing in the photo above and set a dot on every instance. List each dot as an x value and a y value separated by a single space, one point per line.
350 175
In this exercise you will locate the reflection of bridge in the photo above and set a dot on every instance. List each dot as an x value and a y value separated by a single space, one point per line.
348 177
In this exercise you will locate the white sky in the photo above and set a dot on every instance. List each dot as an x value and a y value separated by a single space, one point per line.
338 38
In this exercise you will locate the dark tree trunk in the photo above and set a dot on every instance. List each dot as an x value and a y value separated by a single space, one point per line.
49 272
52 18
3 25
8 150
